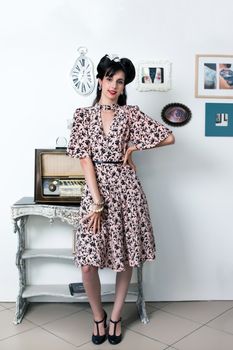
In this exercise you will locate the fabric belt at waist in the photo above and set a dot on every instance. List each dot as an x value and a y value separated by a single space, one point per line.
107 161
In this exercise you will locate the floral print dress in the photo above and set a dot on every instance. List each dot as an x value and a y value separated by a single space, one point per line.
126 236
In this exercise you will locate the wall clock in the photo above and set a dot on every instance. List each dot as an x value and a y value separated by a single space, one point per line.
82 73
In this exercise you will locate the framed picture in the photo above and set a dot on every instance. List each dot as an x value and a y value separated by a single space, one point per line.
176 114
214 76
154 75
219 119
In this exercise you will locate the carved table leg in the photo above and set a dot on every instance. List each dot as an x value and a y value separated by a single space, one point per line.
140 301
21 303
21 307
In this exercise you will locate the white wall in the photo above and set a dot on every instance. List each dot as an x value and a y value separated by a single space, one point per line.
188 185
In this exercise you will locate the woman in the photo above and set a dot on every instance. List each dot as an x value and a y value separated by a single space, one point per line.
115 226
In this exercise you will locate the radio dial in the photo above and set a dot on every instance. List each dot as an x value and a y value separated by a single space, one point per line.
52 187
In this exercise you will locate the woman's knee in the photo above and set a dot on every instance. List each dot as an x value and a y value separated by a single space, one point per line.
87 269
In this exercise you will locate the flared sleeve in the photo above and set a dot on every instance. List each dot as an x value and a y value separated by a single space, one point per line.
79 143
145 132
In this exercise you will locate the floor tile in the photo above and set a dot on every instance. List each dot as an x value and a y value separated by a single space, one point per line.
41 313
206 338
8 328
8 305
75 329
129 313
130 340
35 339
198 311
158 304
172 326
165 327
223 322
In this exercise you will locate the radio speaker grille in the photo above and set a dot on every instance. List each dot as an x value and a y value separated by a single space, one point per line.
59 164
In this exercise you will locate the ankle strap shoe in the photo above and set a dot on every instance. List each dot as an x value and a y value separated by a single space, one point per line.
99 339
114 339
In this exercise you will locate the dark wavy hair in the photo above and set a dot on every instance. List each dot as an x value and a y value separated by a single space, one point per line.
107 67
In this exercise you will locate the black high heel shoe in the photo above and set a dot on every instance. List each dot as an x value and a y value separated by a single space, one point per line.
114 339
99 339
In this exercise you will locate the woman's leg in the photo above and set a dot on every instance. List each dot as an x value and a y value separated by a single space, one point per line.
122 284
92 287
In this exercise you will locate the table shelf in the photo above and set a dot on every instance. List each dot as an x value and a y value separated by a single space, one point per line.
62 290
48 253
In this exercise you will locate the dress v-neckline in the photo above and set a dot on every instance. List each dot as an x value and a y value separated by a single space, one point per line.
111 125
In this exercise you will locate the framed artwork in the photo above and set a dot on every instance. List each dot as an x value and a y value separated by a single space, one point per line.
154 75
214 76
219 119
176 114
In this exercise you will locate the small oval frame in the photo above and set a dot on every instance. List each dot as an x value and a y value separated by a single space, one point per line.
176 114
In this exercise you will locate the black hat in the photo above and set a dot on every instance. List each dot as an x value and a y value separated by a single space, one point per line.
109 65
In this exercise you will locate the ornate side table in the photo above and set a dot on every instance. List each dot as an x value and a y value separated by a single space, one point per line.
21 210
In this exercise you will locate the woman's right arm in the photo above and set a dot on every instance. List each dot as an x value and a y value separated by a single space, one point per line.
79 147
90 177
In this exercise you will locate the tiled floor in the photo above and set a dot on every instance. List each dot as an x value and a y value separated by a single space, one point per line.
204 325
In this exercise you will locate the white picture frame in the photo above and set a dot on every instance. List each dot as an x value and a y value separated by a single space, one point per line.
154 75
214 76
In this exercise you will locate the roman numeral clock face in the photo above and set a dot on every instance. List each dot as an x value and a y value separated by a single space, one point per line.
82 76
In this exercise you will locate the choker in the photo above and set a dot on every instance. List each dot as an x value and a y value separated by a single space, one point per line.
108 107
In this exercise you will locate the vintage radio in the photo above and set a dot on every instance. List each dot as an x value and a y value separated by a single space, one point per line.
58 177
